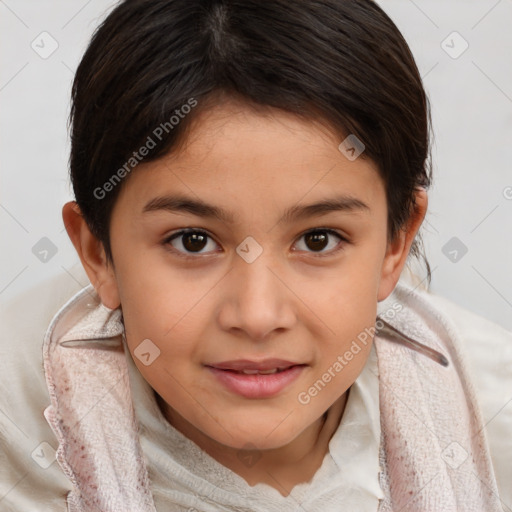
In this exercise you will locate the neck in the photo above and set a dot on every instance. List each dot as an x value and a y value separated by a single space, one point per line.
281 468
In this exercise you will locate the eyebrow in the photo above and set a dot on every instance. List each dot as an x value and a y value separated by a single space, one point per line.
180 203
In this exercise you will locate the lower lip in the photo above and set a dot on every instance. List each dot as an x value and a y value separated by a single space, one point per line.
257 386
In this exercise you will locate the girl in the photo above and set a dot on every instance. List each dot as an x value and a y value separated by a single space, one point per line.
250 179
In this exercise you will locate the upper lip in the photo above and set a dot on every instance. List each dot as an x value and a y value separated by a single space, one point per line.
246 364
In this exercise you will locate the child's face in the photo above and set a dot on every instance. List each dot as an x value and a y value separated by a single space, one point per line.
303 299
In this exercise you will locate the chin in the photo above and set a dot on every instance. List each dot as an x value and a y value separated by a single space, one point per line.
260 438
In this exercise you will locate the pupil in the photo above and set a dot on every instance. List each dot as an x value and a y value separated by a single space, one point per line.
194 241
316 241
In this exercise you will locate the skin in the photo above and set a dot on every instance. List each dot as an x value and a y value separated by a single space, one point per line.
297 301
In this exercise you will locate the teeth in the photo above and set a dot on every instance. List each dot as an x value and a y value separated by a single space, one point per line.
268 372
261 372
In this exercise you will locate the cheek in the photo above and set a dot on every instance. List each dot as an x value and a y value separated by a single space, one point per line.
171 322
160 333
156 299
347 304
168 309
348 296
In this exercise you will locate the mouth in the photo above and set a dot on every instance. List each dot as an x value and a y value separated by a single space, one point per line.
256 380
251 367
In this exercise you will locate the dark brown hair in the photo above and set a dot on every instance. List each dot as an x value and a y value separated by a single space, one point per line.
342 61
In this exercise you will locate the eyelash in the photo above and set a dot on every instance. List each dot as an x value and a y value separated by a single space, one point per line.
167 242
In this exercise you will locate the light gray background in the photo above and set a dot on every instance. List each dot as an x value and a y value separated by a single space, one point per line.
471 97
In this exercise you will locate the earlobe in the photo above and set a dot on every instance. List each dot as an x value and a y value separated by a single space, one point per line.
92 255
398 249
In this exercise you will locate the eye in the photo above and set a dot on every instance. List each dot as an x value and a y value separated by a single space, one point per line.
190 241
193 241
318 239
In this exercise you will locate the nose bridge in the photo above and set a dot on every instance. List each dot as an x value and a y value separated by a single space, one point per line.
260 299
258 280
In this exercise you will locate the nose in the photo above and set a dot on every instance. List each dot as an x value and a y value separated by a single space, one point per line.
258 301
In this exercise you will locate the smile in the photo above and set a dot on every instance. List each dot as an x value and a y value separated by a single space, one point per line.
254 383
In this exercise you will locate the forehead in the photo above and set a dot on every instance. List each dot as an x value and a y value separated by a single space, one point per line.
237 157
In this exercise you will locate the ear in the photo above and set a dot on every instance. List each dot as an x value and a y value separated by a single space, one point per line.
92 255
398 250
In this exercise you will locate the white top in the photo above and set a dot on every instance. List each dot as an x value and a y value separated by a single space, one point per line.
182 473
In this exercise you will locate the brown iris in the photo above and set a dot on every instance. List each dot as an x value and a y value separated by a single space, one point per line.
194 241
316 240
